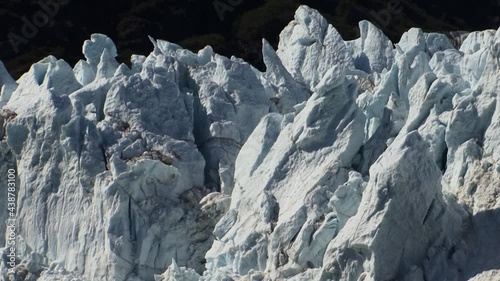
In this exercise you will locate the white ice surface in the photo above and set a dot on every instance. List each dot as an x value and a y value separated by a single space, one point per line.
344 160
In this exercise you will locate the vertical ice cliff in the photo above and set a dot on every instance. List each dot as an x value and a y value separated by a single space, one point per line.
112 160
289 183
331 194
103 168
401 216
344 160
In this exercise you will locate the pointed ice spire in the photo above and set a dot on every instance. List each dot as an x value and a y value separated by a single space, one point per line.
84 72
156 50
176 273
5 77
373 51
60 78
94 48
411 39
289 91
174 266
107 65
309 46
7 85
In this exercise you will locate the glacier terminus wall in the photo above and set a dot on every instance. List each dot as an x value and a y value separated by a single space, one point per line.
345 160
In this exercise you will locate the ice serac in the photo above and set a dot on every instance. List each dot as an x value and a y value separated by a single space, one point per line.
402 214
358 160
229 102
174 272
426 170
116 161
437 42
373 51
110 174
286 92
7 85
286 172
230 97
100 53
309 47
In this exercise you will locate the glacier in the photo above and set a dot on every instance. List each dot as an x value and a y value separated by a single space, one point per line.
345 160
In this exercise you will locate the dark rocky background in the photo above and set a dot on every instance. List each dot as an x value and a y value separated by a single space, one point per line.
236 30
